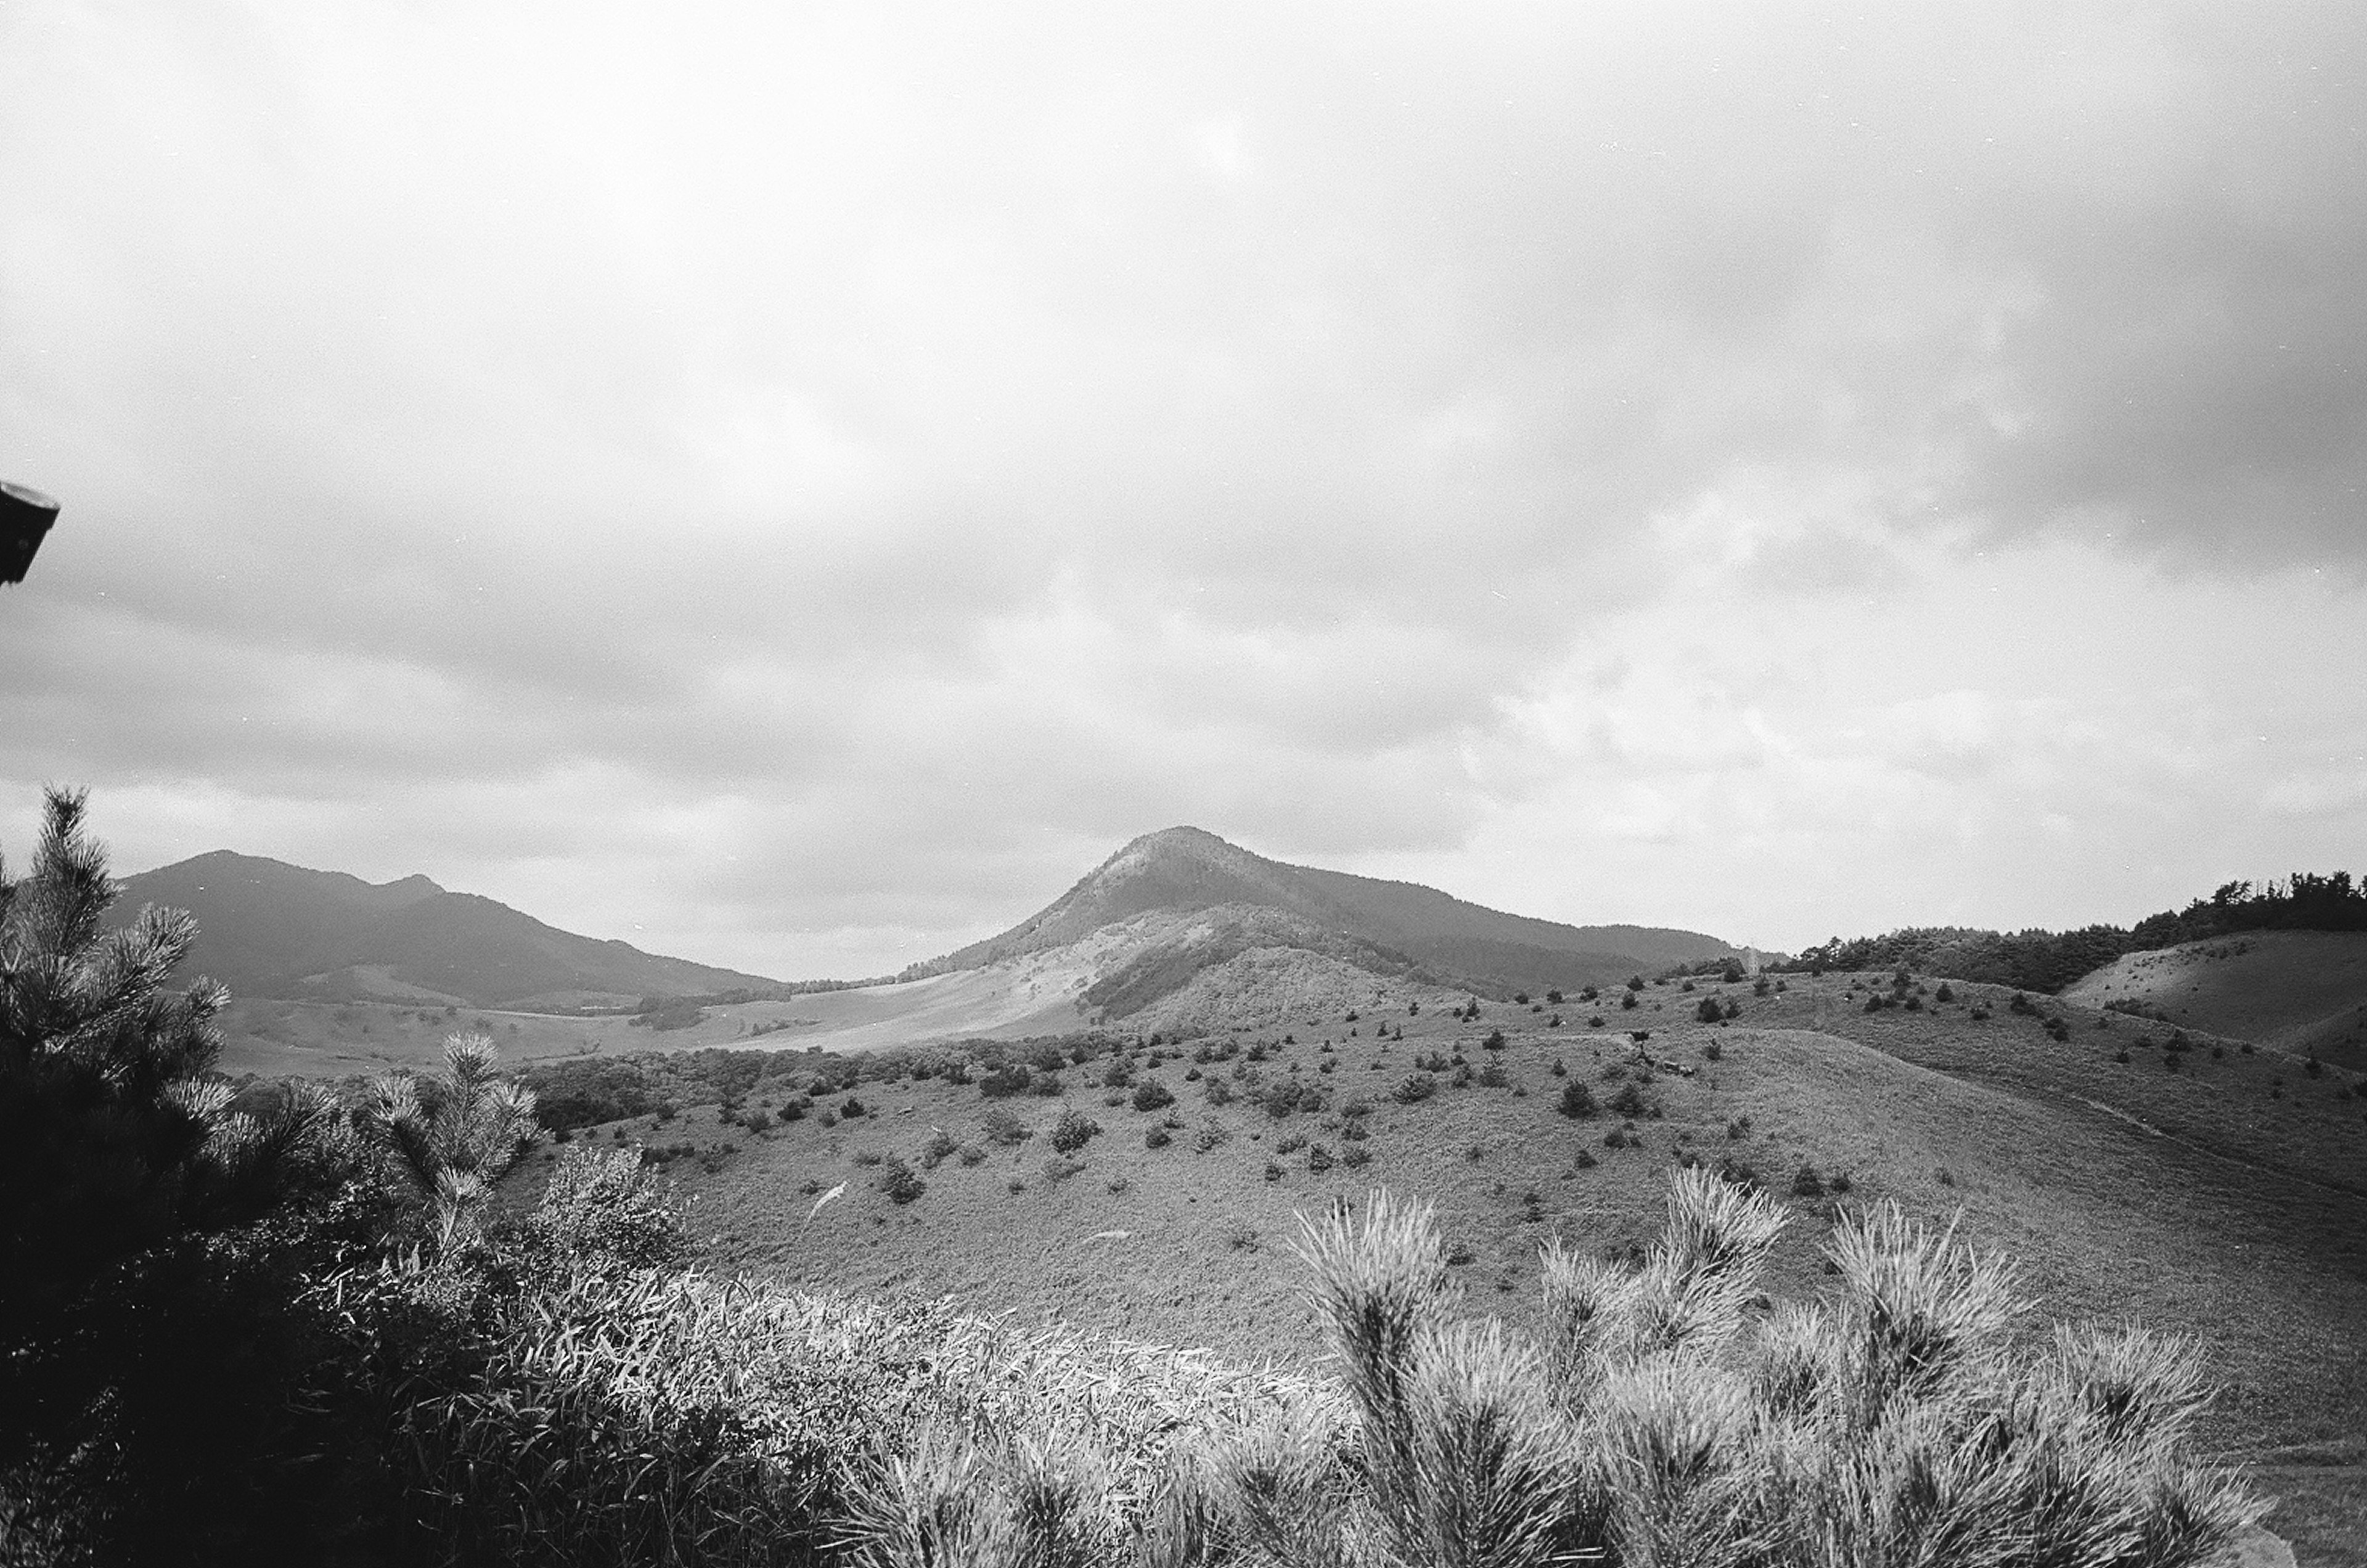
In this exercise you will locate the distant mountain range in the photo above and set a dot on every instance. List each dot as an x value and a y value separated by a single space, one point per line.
267 928
1170 908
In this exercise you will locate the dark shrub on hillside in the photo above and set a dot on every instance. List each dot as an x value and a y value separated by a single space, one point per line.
1630 1102
1495 1040
1152 1095
1004 1130
1708 1011
1074 1132
1156 1136
1714 1051
938 1149
1414 1087
1806 1183
852 1109
1047 1085
1627 999
1217 1091
1576 1100
1004 1081
898 1183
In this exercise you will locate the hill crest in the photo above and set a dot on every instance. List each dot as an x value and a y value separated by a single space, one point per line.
1390 927
269 929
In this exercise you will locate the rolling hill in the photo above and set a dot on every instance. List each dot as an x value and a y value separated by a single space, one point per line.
268 929
2304 992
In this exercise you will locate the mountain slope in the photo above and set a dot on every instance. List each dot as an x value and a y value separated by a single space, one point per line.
1390 927
268 929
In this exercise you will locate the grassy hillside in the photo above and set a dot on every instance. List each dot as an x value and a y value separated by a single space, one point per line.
2220 1199
2304 992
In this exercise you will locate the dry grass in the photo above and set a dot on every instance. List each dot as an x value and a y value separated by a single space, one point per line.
2215 1229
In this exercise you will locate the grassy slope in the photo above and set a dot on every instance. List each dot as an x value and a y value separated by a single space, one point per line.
2223 1201
2298 990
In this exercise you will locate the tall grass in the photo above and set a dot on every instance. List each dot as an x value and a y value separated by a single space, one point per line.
1661 1421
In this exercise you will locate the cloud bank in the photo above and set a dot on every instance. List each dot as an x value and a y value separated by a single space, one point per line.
797 488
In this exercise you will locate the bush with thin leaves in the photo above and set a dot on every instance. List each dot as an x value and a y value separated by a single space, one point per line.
453 1133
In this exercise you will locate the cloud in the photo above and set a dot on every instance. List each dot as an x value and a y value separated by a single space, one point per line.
812 481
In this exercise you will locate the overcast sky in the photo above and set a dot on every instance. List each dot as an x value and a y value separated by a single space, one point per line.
796 486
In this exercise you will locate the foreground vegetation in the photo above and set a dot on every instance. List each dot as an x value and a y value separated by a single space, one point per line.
290 1326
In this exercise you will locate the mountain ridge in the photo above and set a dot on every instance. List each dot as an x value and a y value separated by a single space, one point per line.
1401 926
266 927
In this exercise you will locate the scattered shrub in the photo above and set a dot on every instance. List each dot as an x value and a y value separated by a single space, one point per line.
1414 1088
1152 1095
1073 1131
900 1183
1008 1079
1004 1130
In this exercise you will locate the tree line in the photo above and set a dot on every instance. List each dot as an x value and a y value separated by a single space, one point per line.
2037 960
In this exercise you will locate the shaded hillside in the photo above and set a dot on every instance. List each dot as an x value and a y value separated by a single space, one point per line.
1395 926
2304 992
267 928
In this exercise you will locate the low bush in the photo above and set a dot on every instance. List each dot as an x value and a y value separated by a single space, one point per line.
1004 1081
1152 1095
1073 1131
1414 1087
1004 1130
900 1183
1576 1100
